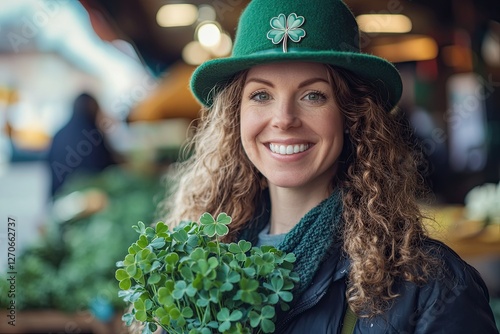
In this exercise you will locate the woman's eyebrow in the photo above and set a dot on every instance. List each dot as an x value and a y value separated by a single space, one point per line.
311 81
262 81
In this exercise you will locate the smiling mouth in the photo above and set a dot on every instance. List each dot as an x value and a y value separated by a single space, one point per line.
288 149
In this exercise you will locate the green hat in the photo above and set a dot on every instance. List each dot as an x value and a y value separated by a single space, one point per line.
323 31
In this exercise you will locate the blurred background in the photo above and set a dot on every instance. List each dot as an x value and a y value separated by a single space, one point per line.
95 106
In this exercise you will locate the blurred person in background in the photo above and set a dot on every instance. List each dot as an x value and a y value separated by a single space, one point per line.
80 146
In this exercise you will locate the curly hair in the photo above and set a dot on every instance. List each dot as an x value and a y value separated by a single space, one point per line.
218 176
378 175
384 231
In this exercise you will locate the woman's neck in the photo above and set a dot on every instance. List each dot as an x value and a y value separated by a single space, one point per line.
288 206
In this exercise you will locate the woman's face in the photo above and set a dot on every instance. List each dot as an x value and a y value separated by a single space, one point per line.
291 126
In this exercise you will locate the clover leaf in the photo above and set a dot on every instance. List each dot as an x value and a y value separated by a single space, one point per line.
128 318
140 310
278 288
284 28
124 278
265 263
161 228
248 292
165 295
263 319
182 288
240 249
162 314
227 277
212 227
226 318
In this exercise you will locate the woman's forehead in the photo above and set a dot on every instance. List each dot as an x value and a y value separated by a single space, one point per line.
291 70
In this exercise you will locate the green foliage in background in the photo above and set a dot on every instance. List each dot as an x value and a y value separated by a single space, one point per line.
186 281
73 263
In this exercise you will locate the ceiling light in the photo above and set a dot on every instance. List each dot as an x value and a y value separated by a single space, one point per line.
379 23
224 47
194 54
206 13
208 34
177 15
409 48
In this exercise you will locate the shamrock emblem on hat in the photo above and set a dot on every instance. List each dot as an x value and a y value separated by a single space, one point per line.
284 28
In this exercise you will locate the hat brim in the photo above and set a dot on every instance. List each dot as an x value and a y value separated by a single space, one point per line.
214 74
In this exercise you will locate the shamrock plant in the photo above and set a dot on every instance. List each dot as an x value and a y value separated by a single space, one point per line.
286 27
185 280
212 227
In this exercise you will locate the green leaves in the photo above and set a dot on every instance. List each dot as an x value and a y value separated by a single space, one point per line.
124 278
264 319
186 281
226 318
240 249
248 292
218 227
181 289
279 290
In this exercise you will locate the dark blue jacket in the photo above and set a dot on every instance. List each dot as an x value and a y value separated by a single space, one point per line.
454 302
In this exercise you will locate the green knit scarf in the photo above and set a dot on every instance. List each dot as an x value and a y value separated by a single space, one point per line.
309 240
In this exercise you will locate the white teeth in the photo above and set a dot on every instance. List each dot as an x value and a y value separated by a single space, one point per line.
288 149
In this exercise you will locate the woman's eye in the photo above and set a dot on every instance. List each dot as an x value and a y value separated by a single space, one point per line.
315 96
260 96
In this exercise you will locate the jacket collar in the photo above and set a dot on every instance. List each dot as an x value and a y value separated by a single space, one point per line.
334 267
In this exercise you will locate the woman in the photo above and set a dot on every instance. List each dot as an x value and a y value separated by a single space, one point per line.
300 143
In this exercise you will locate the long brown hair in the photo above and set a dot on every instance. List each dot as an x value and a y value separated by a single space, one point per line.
378 175
381 185
218 176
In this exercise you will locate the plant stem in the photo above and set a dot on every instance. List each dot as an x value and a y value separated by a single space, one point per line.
218 246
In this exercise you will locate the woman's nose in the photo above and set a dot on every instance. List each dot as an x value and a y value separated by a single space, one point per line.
286 116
